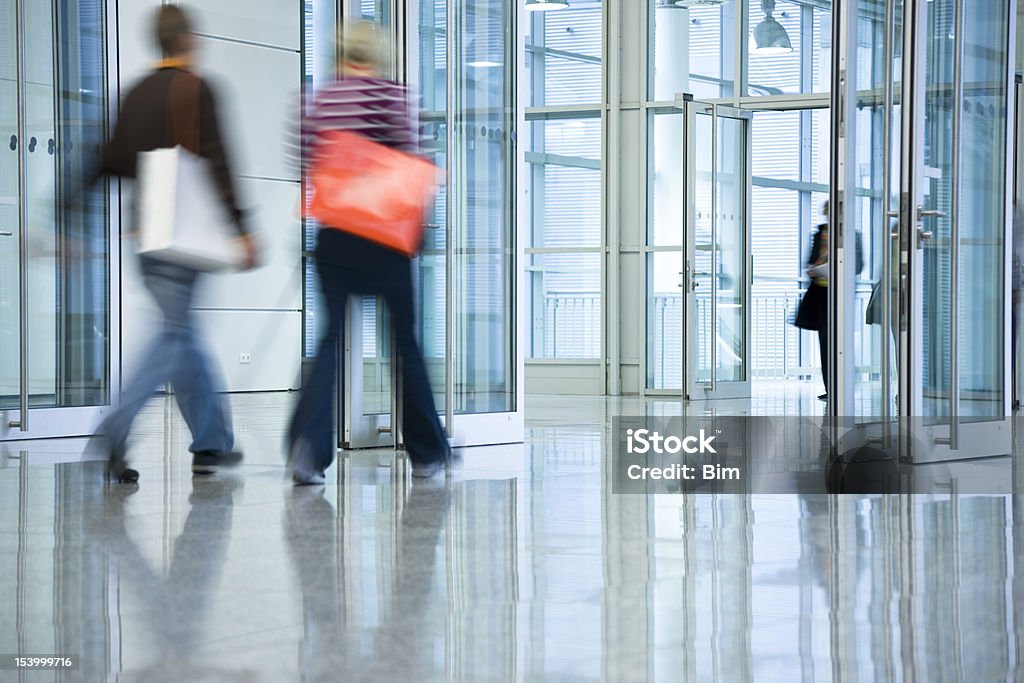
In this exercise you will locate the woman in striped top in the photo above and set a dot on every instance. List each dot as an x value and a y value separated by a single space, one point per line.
377 108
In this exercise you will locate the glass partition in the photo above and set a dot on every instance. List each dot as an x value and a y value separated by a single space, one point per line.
54 232
467 283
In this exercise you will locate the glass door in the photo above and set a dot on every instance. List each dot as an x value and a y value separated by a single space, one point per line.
55 251
716 260
939 209
467 276
367 391
484 350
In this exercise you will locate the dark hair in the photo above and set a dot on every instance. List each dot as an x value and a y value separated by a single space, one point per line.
172 23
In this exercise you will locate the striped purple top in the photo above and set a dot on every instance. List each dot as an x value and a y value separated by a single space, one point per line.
373 107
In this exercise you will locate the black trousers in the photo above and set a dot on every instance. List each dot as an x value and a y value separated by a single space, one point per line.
350 265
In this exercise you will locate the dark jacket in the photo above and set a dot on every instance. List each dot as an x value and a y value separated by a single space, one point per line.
812 256
144 124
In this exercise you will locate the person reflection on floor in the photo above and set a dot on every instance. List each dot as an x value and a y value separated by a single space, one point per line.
175 608
403 645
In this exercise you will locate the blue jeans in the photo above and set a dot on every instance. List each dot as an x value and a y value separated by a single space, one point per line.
175 356
350 265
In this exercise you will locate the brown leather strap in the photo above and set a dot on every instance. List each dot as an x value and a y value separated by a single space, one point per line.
183 115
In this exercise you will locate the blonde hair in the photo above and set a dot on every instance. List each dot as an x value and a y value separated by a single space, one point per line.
362 44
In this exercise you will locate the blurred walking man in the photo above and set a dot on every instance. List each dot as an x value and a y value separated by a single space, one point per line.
172 92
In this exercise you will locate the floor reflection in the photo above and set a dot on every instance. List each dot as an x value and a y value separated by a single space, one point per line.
522 567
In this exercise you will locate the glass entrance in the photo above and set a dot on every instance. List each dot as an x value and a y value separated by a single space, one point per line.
716 260
698 253
55 251
467 278
928 114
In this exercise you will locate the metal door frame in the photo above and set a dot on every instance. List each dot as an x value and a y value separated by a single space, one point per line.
25 423
358 430
942 441
692 388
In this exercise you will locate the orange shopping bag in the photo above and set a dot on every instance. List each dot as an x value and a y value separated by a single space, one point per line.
371 190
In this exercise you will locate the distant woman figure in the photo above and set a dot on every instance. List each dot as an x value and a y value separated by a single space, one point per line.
377 108
813 311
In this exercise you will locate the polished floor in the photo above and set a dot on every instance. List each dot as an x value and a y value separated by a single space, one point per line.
522 566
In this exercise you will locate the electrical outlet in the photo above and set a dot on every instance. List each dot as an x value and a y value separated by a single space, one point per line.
245 357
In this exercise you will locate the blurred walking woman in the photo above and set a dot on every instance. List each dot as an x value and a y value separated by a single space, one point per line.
362 102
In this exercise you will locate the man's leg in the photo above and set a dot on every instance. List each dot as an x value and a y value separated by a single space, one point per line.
171 287
198 388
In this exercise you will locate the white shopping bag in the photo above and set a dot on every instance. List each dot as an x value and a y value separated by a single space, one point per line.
181 217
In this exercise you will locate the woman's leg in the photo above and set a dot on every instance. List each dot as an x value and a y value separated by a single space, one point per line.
312 424
424 436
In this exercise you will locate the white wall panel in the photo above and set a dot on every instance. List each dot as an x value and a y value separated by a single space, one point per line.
136 48
269 22
257 312
273 214
558 377
273 340
257 90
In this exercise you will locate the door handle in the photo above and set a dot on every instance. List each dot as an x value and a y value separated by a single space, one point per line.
922 212
6 233
930 213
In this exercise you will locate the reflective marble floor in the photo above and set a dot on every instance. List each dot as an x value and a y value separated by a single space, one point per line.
522 566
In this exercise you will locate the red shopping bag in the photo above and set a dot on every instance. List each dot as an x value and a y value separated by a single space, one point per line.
370 190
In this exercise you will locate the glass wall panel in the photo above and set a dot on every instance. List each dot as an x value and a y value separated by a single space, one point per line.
982 209
805 68
665 320
67 228
665 180
563 54
565 170
565 214
482 189
565 302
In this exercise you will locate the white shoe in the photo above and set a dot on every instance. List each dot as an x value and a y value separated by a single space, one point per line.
427 470
304 473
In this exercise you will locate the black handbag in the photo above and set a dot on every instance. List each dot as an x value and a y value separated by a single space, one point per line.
873 313
812 313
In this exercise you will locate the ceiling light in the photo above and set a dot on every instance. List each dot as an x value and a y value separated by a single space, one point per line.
769 37
484 53
545 5
698 3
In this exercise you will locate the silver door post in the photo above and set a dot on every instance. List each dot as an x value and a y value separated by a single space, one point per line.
885 288
954 228
451 57
19 31
714 247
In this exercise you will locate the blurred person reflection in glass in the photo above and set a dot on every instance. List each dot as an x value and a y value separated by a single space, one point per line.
363 102
175 354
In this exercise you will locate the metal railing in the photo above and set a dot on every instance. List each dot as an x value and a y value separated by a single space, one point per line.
569 326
